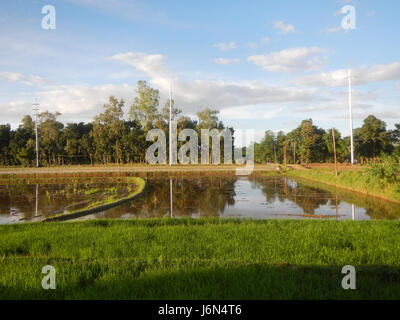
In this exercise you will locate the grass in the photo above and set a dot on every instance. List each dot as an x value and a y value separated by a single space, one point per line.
109 200
355 180
200 259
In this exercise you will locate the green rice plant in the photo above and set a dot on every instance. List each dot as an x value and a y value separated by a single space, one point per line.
200 259
92 191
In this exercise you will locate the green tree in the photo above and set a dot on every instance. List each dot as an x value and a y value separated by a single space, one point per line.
145 106
372 138
265 150
108 128
73 134
5 137
208 119
51 146
309 137
23 145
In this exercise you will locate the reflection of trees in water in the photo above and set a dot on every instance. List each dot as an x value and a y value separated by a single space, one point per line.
201 196
20 200
375 208
281 189
204 196
309 197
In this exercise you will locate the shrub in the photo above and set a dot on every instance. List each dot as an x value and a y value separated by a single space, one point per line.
386 170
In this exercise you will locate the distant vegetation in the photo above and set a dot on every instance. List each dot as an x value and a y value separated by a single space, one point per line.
200 259
110 138
308 143
373 180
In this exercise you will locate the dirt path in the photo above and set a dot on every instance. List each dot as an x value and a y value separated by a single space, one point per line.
129 168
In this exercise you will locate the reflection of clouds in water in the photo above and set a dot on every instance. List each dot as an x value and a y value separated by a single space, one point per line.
292 184
128 216
225 196
344 210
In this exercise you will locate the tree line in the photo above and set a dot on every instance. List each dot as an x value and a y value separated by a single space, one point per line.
308 143
109 138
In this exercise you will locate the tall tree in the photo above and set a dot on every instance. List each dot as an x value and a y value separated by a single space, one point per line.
309 135
208 119
73 134
108 128
23 145
372 138
5 137
51 138
144 107
265 150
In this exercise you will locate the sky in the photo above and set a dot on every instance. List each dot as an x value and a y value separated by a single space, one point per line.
265 65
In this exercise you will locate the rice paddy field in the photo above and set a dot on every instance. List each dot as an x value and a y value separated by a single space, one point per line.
207 258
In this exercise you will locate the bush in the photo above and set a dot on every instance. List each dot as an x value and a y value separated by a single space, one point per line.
386 170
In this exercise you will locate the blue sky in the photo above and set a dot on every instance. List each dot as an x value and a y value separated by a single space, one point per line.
265 65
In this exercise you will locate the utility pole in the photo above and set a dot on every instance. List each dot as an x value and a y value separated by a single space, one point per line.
351 120
334 150
170 198
36 109
294 153
170 124
284 153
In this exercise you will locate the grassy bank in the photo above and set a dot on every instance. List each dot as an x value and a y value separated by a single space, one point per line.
9 172
355 180
108 200
205 258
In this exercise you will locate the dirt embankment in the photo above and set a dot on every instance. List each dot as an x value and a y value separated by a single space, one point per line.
128 168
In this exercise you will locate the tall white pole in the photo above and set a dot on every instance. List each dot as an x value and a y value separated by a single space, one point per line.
351 120
36 109
170 124
37 199
170 198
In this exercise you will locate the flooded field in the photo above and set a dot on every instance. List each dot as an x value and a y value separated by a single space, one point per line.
213 196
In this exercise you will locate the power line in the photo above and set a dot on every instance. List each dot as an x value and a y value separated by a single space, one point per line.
36 109
351 120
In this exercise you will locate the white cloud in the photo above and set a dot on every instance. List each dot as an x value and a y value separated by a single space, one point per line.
75 99
12 76
75 102
334 29
264 40
332 106
290 60
370 13
283 28
251 112
194 94
149 63
252 45
83 102
226 61
225 46
360 76
31 80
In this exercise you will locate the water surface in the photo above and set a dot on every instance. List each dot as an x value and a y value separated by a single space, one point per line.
212 196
